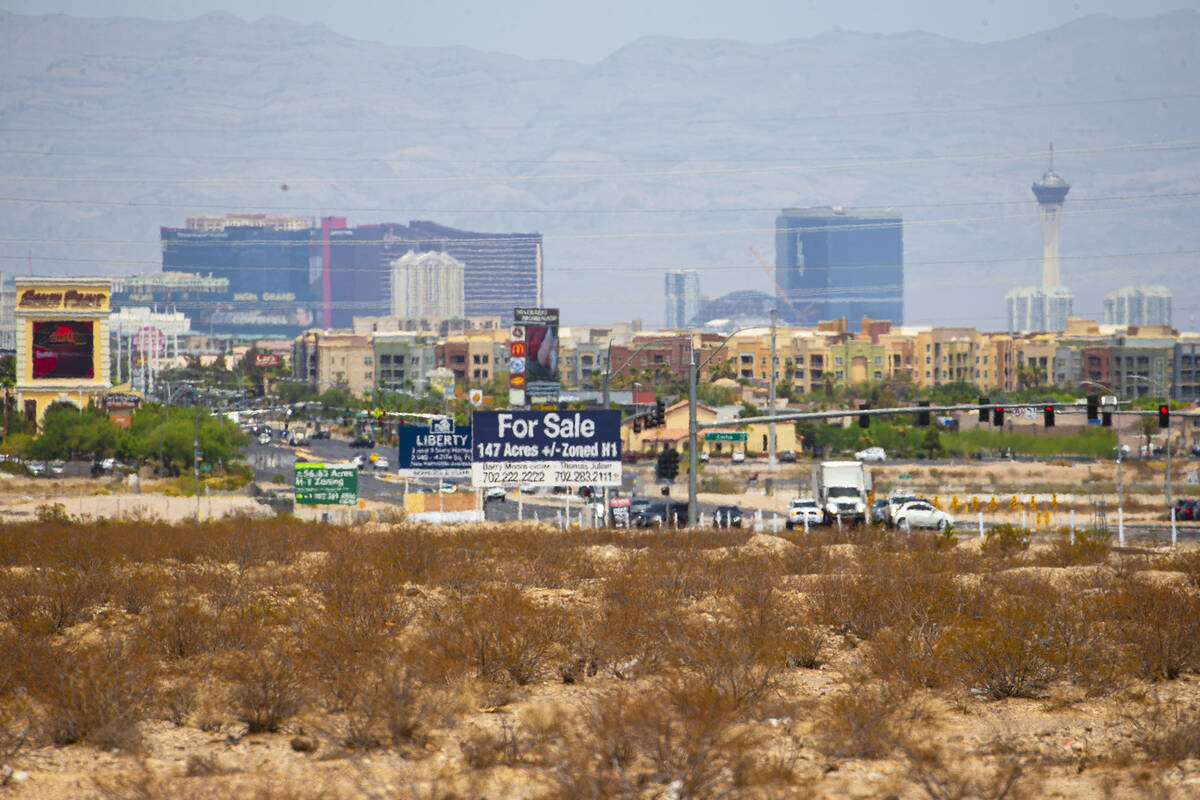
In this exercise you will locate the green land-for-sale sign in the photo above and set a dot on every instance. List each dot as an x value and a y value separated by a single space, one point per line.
326 484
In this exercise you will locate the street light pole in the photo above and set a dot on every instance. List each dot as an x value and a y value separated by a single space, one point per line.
196 460
772 466
693 426
693 456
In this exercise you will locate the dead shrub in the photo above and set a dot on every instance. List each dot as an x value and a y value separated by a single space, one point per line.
1187 562
483 748
1168 731
394 705
1159 625
342 637
639 616
267 688
204 766
865 721
179 700
179 626
1005 653
96 693
1005 541
942 775
499 634
1091 546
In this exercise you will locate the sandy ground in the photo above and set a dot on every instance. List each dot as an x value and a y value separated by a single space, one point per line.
1080 744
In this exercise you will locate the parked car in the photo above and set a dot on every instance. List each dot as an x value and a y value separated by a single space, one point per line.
920 514
629 457
872 454
58 468
36 468
879 511
727 517
363 441
787 456
738 456
264 438
802 510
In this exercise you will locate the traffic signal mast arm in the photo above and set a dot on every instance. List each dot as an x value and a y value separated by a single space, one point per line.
1059 408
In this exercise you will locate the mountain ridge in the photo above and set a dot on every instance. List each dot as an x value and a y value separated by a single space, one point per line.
733 129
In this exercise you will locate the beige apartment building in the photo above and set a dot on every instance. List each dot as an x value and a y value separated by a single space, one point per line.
347 360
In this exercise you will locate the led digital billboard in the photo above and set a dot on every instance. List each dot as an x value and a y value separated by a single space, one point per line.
540 349
63 349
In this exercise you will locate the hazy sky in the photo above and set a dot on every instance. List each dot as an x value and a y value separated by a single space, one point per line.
588 31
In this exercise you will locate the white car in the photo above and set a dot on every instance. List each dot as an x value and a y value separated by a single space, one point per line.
896 501
738 457
381 463
495 493
264 438
872 454
920 514
802 510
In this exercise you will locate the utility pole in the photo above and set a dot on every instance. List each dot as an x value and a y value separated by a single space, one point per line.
693 445
196 461
772 465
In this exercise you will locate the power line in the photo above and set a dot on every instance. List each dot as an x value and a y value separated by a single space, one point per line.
1178 144
528 239
324 210
593 123
177 268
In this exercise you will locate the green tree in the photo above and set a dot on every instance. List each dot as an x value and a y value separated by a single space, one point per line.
68 430
931 442
152 433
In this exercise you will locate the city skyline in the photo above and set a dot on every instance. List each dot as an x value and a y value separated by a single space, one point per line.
549 147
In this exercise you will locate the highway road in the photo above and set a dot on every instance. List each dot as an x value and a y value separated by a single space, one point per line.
277 458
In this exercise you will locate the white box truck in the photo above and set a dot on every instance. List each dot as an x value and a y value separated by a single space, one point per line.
841 488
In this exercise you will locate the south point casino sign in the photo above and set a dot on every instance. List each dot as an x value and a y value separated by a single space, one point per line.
41 299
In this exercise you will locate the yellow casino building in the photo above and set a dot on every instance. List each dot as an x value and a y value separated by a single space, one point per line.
62 342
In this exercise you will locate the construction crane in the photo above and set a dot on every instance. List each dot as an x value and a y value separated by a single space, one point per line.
796 314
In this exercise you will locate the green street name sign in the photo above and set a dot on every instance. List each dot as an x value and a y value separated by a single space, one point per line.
725 436
326 484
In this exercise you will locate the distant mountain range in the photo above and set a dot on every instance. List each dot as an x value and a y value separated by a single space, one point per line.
668 154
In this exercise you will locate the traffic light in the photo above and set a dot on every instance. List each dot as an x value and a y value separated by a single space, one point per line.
660 413
923 416
1048 416
983 412
1164 416
864 420
637 426
1093 407
668 465
998 416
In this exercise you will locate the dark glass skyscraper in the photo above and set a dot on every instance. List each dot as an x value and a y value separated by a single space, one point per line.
832 263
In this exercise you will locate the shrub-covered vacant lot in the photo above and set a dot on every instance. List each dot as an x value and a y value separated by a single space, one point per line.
280 659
